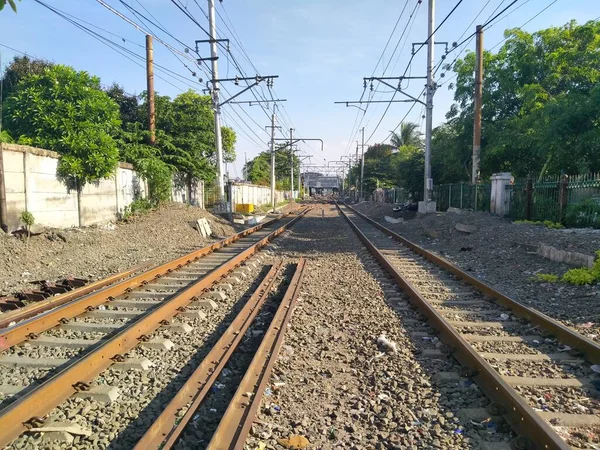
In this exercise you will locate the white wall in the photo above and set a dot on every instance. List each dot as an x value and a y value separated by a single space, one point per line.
255 194
31 185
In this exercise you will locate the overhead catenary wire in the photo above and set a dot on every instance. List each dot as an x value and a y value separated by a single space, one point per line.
125 52
410 62
355 127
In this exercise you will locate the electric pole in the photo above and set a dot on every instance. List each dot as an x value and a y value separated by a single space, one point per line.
215 98
150 89
362 164
3 218
477 101
356 179
273 159
292 162
429 108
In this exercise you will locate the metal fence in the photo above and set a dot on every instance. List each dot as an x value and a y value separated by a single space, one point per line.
572 200
211 195
463 196
391 195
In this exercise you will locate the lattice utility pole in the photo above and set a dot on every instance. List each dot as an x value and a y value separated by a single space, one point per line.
273 127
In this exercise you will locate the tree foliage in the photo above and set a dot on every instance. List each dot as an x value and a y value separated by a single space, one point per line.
541 108
258 170
12 4
399 164
66 111
57 108
19 68
541 114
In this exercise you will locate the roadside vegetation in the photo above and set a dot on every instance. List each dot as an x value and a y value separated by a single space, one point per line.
58 108
541 97
577 277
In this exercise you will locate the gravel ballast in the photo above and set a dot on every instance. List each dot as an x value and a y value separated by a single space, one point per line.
502 254
97 252
333 384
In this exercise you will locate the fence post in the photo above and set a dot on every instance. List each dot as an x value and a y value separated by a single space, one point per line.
461 195
563 196
529 204
450 197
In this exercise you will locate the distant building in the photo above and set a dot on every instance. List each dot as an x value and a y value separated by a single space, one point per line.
317 183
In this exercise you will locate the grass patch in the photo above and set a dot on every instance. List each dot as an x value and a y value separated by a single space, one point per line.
546 223
584 275
546 277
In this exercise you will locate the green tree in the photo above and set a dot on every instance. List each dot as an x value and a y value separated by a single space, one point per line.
19 68
259 168
12 4
66 111
409 135
129 106
540 111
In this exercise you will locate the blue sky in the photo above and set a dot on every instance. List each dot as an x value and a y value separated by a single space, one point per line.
321 50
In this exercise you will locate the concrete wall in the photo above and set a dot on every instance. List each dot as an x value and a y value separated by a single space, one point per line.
31 185
255 194
181 193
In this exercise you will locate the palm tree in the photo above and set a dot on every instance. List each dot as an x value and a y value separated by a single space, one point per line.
409 135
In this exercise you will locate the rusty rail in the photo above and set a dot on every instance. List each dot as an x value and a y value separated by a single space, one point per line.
19 332
166 428
234 426
34 309
523 419
51 393
589 348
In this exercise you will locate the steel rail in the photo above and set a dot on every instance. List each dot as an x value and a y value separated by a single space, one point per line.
235 425
51 393
168 425
589 348
520 416
20 332
42 306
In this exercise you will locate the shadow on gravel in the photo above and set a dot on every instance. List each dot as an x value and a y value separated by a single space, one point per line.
199 433
129 436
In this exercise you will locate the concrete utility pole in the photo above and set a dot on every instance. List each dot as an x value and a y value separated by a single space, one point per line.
429 108
216 104
357 179
299 180
150 89
292 162
362 164
3 219
273 160
478 102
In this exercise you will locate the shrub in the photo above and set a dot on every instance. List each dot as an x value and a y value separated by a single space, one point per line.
583 214
582 276
137 208
546 223
579 277
28 219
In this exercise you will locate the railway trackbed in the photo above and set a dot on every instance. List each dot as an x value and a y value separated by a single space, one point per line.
537 373
57 352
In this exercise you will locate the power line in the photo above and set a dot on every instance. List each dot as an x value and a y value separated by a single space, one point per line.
120 49
410 62
355 128
125 52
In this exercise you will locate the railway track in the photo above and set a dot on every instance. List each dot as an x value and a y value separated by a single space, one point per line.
53 350
539 374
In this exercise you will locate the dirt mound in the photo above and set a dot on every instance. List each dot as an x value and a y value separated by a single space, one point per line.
98 251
